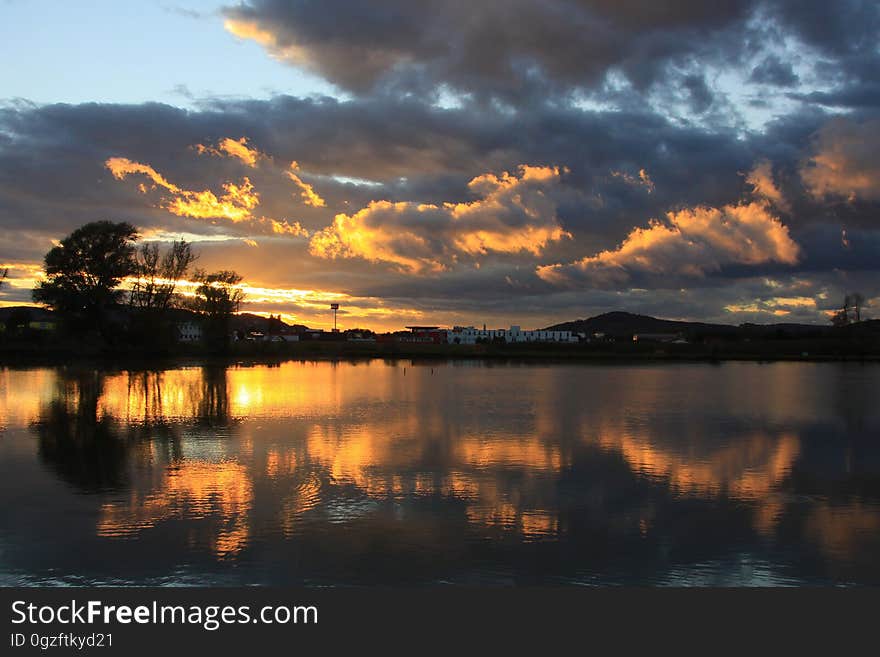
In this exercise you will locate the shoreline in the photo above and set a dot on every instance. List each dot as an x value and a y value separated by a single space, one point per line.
275 353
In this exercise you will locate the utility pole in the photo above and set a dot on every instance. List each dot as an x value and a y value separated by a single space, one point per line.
334 307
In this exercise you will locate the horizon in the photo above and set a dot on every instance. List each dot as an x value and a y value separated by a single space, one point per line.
714 165
440 326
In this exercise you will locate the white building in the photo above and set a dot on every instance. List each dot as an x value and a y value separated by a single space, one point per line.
189 332
470 335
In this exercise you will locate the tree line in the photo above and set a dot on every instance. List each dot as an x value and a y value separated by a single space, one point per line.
99 281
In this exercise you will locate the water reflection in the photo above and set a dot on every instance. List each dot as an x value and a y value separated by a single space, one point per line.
156 397
214 499
360 472
76 439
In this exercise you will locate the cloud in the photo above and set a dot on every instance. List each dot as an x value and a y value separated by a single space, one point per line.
629 52
773 71
287 228
764 186
494 47
121 167
251 29
778 306
845 161
236 148
691 243
514 214
642 180
307 192
235 204
53 179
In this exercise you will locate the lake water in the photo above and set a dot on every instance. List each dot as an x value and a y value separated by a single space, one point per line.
401 473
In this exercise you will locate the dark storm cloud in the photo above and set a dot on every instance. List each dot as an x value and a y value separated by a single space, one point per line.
524 51
836 28
845 35
775 72
501 48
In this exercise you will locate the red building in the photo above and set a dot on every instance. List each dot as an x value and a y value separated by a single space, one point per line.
426 334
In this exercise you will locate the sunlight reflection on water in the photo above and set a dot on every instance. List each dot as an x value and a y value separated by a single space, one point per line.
488 473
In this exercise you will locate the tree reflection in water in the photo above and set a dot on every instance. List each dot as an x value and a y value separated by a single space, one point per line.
214 400
84 447
87 444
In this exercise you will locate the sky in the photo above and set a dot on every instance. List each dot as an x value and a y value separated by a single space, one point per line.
500 162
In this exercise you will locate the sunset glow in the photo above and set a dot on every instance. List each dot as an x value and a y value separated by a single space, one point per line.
580 170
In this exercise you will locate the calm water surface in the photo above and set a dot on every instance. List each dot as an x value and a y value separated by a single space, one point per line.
401 473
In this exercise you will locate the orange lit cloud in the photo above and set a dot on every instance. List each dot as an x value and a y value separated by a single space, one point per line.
364 235
690 243
845 163
250 30
643 179
121 167
20 274
779 306
307 192
764 186
532 239
513 214
286 228
237 148
236 203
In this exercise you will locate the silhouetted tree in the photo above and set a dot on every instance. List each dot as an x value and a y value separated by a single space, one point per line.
153 292
854 303
218 297
840 318
851 311
84 271
157 275
274 325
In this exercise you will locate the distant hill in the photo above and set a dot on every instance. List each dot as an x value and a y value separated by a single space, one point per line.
33 313
623 324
